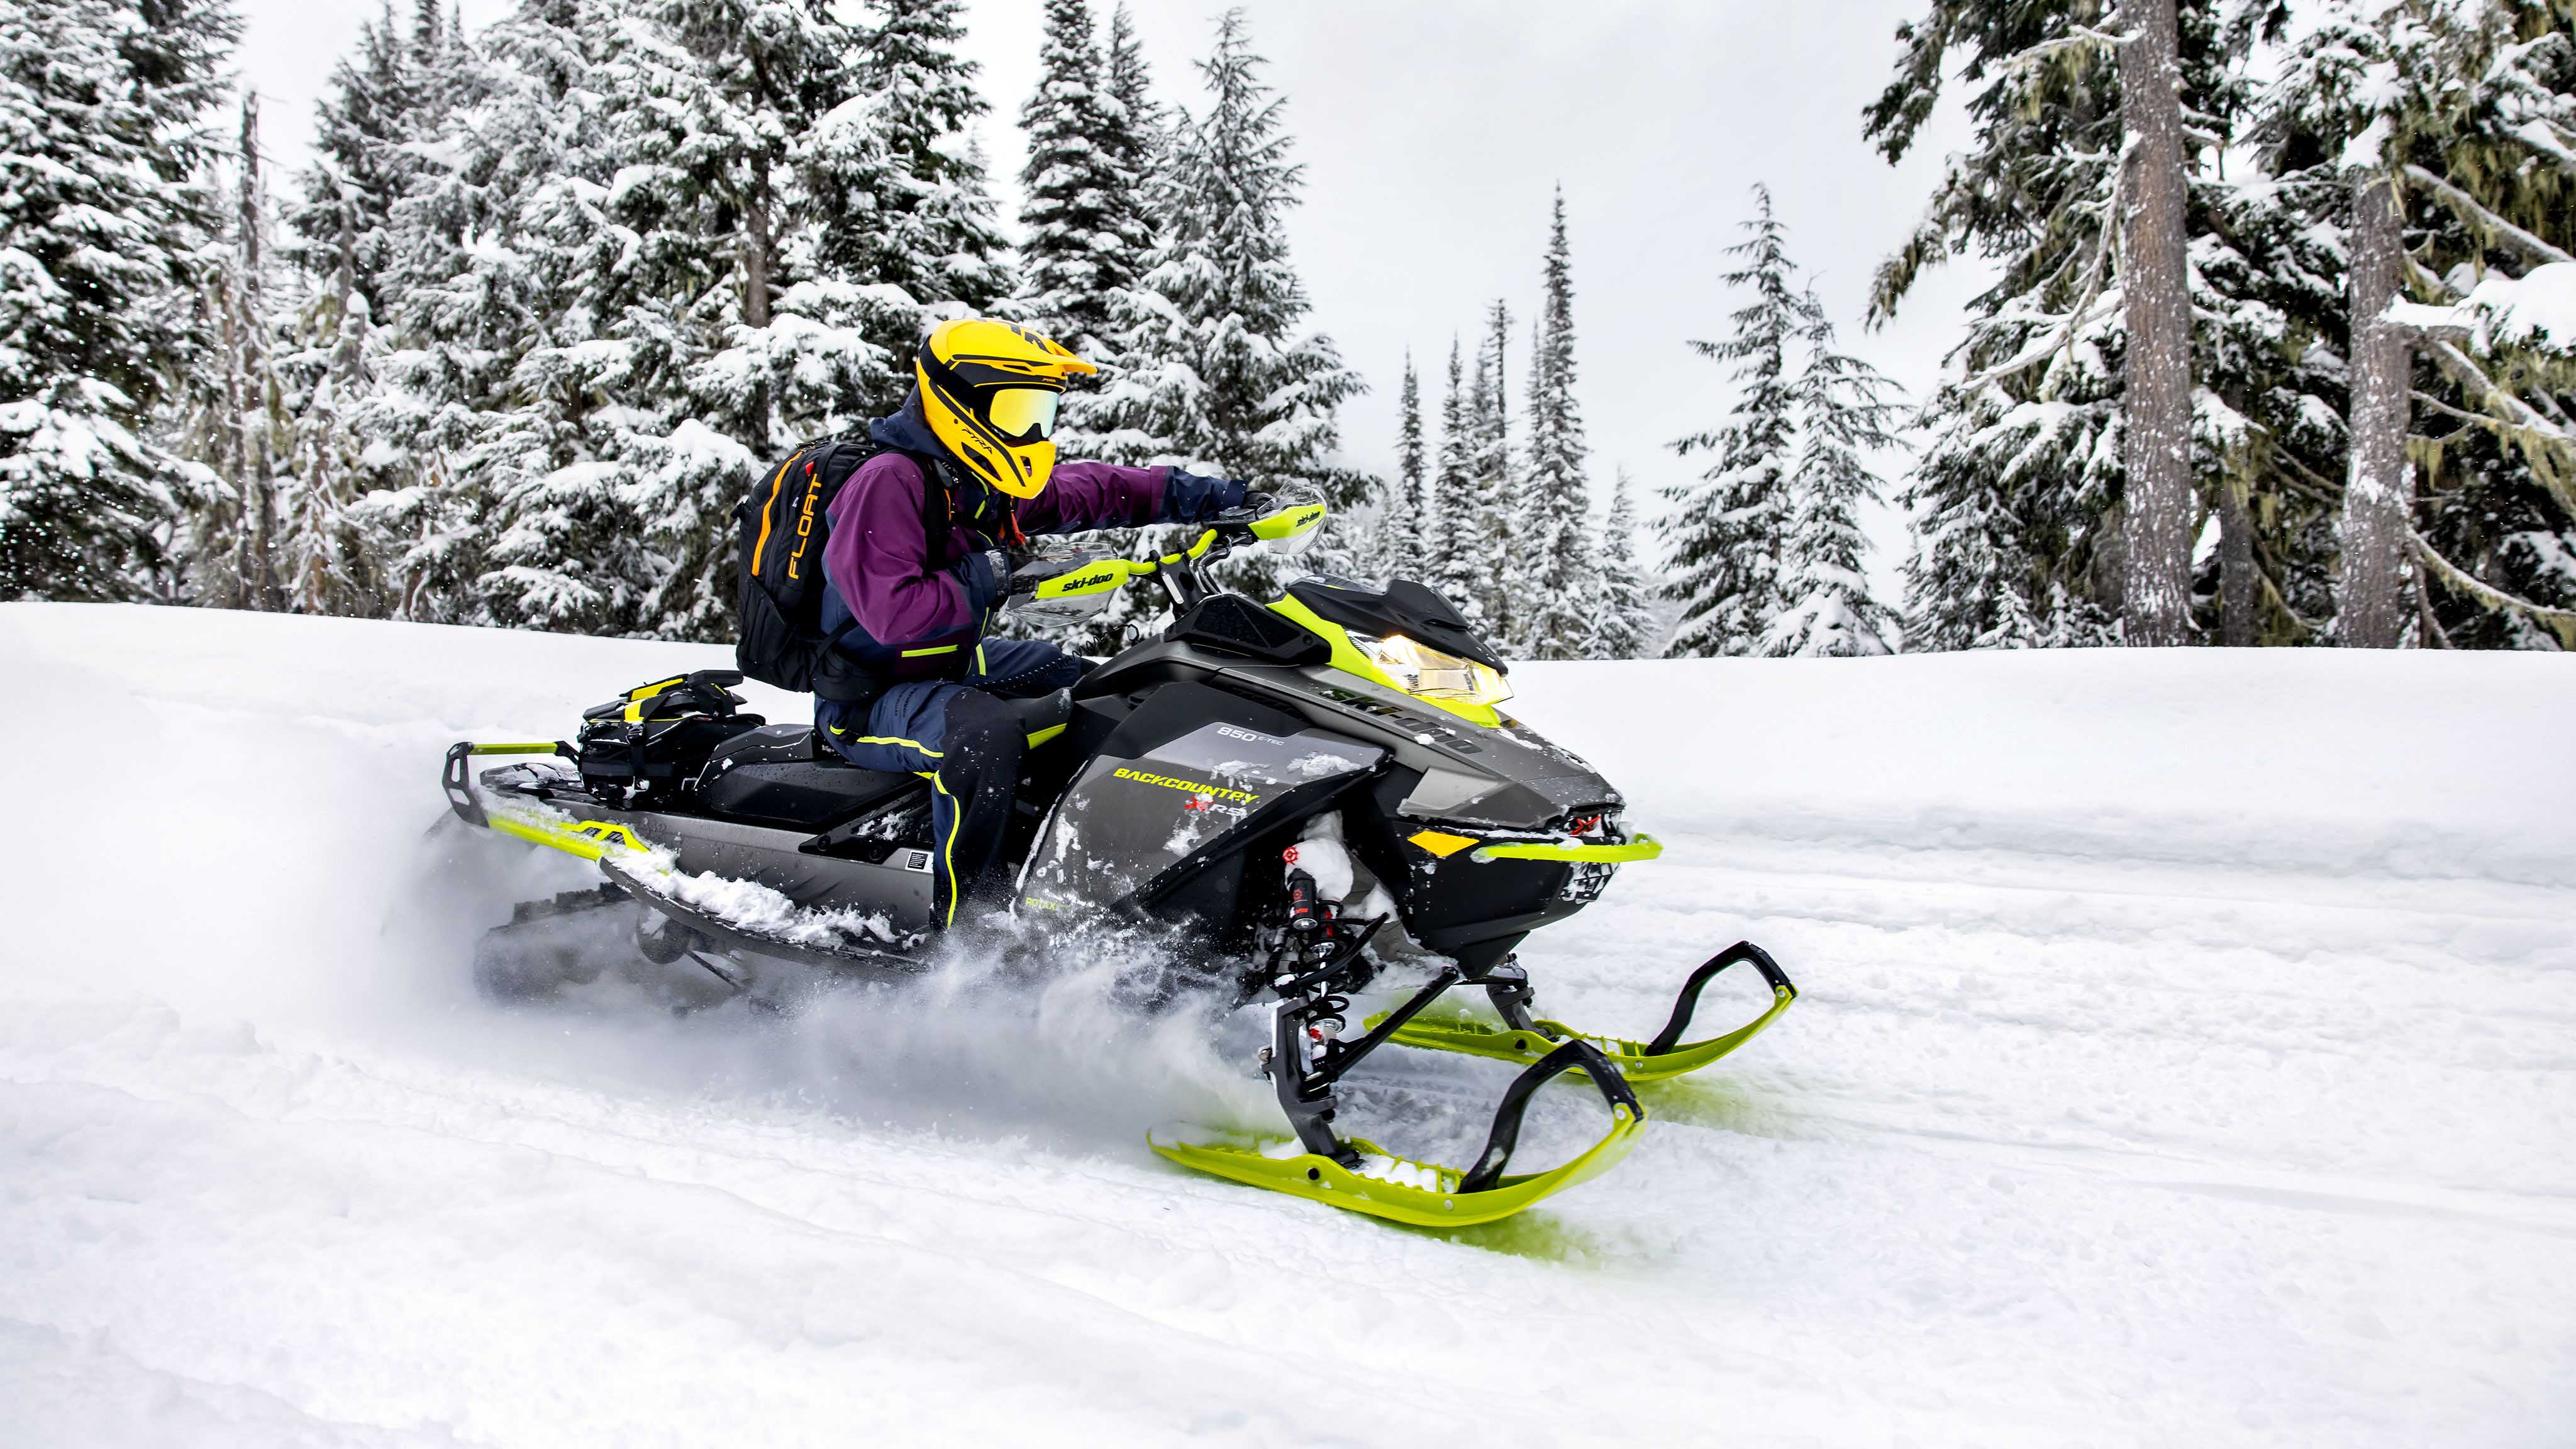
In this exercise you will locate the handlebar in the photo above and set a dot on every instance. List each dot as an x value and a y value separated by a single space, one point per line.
1182 574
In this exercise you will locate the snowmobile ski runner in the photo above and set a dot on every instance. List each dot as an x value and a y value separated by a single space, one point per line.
1309 788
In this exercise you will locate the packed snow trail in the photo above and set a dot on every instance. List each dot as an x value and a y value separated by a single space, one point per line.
2187 1054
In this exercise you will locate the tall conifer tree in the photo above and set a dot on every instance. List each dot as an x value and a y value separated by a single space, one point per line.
1726 534
2436 141
1085 209
1219 374
103 145
1489 543
1624 615
1455 512
1559 578
1844 412
1408 528
238 427
1135 142
2019 495
729 135
931 228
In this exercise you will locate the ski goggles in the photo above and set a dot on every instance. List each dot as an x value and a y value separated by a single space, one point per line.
1022 415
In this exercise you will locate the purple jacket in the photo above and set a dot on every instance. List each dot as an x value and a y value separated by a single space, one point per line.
919 604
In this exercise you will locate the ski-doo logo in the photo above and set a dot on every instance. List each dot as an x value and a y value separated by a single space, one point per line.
1230 732
1218 792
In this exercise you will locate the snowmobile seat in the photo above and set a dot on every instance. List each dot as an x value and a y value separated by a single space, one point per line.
783 775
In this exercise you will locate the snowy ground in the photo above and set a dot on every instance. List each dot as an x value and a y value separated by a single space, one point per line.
2187 1055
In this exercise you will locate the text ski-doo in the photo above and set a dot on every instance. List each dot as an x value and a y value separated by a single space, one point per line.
1226 777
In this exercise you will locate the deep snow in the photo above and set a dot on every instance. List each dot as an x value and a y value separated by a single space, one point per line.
2187 1055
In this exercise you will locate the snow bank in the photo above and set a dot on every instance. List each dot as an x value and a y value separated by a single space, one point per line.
2183 1058
2420 764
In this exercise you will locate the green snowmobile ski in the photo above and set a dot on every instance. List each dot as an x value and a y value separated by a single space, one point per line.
1519 1037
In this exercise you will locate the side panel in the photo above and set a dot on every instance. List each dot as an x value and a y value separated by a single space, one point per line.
1176 793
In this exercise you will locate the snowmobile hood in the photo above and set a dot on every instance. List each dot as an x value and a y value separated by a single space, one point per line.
1503 776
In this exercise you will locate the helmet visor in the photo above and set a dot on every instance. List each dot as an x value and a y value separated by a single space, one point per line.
1024 415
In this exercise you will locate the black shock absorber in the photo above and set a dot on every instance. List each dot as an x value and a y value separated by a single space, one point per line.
1305 911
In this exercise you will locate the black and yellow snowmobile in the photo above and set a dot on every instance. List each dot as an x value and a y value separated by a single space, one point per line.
1300 785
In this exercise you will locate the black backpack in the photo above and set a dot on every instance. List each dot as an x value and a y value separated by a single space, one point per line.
784 524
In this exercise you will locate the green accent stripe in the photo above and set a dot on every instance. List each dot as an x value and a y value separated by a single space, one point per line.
1644 847
948 852
925 653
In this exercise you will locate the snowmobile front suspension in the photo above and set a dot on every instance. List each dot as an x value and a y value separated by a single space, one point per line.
1304 1030
1306 1056
1360 1176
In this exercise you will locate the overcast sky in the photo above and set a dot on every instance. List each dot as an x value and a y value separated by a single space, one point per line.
1432 132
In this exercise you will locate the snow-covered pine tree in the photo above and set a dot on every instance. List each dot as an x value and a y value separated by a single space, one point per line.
1451 562
103 202
1217 374
2267 290
2014 495
1130 147
2437 140
731 119
2018 492
532 328
931 227
329 553
377 103
1843 412
1489 542
1560 580
1624 615
1084 212
236 423
1725 535
1135 141
1408 527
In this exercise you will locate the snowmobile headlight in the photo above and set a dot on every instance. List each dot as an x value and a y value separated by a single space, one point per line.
1426 673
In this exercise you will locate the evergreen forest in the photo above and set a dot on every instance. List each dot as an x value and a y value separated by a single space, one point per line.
2279 346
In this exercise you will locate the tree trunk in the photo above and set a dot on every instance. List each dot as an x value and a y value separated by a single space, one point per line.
2378 492
2237 587
253 560
755 252
2155 280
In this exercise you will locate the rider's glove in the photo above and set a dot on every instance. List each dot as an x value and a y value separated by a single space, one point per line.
1196 497
985 575
1029 575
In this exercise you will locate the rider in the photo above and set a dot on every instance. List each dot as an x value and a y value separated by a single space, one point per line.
915 607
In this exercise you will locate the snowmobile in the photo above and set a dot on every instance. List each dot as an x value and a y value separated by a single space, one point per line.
1300 787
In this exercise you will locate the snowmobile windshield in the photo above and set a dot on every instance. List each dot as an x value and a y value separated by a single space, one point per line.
1024 415
1426 673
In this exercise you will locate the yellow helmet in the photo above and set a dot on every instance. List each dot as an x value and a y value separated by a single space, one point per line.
989 390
